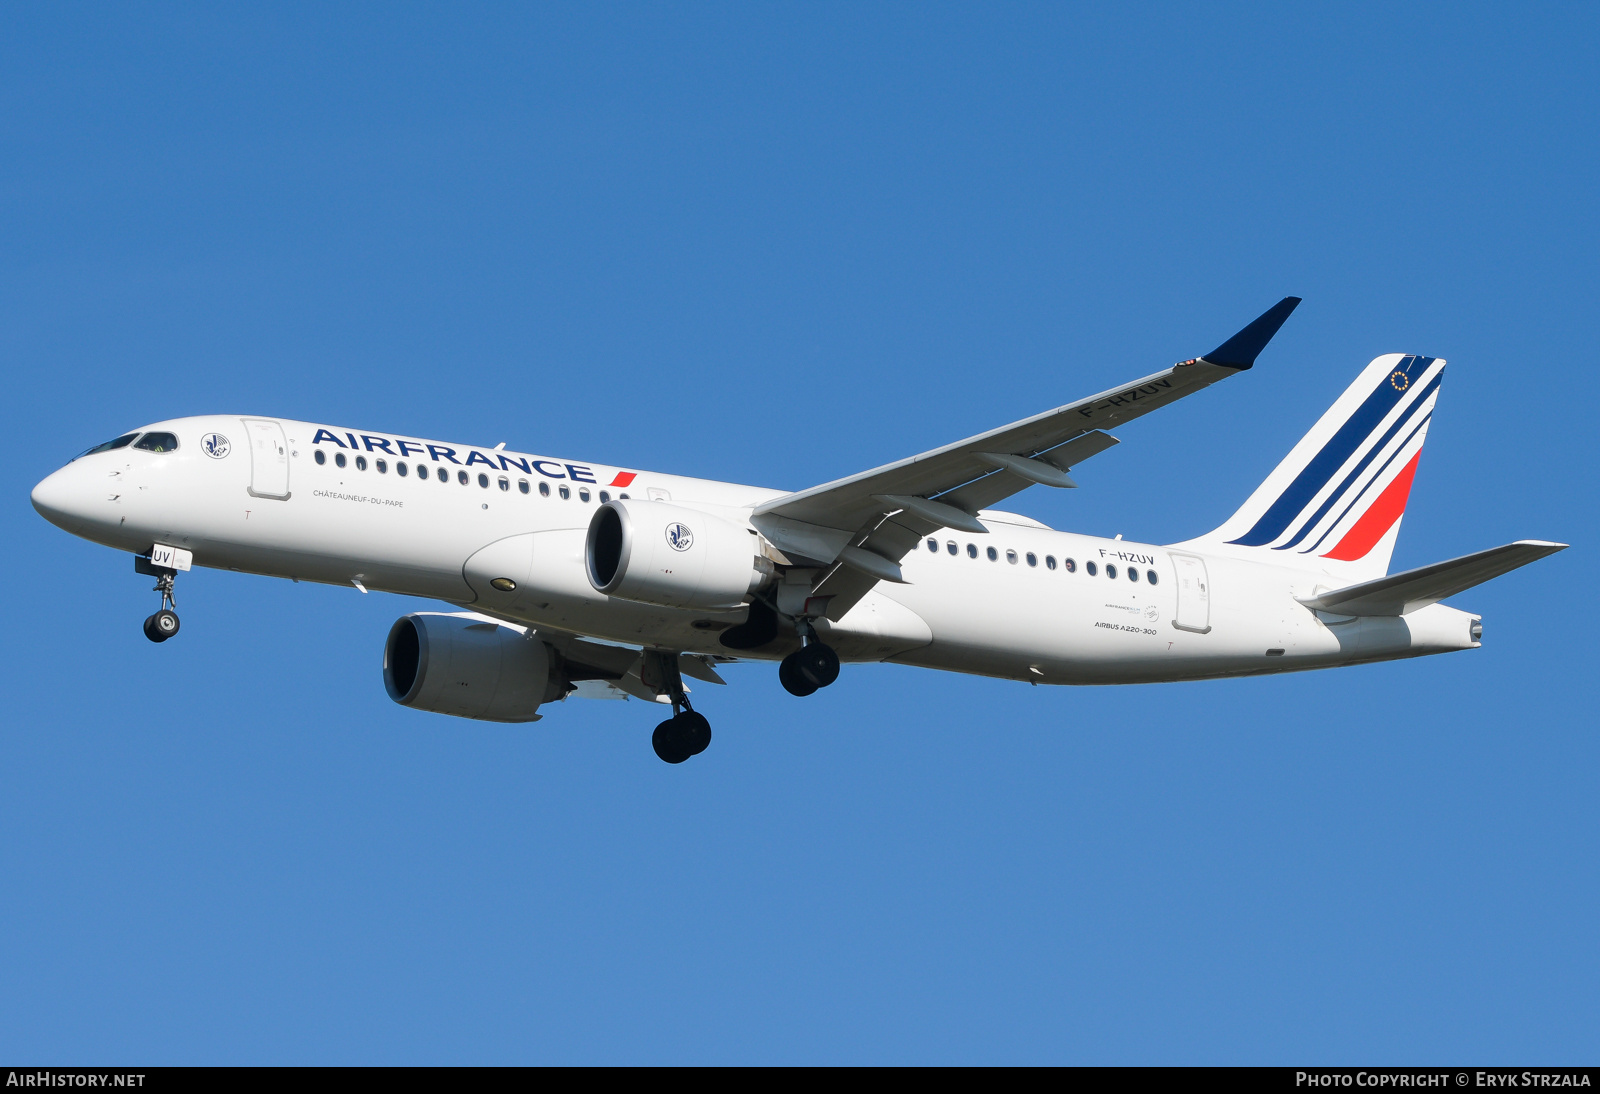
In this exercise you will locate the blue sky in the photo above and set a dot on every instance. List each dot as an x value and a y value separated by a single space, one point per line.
779 244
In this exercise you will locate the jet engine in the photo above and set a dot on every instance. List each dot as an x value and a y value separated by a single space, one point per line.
658 553
468 666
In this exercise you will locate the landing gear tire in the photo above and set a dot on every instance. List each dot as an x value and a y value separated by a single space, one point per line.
696 730
792 679
161 626
819 664
681 736
669 744
806 670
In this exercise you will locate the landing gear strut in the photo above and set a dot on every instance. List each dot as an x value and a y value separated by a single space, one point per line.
686 733
164 624
814 665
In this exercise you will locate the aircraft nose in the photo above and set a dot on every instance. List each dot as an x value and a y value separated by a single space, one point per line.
62 500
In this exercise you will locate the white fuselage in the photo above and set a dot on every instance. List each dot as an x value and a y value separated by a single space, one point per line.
1013 616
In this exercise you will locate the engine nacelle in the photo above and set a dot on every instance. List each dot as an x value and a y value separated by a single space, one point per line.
468 666
658 553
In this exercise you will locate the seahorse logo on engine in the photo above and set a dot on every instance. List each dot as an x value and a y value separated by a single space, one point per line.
679 538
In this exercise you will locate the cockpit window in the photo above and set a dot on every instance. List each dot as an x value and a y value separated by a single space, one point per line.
121 442
158 442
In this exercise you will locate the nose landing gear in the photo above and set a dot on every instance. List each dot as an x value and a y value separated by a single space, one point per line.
161 626
687 733
164 624
814 665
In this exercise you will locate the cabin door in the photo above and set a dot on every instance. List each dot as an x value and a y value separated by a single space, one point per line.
269 458
1194 595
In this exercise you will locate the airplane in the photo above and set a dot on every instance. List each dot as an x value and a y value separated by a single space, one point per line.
587 580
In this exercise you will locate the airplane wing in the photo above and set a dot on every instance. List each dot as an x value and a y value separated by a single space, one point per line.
603 670
858 528
1403 593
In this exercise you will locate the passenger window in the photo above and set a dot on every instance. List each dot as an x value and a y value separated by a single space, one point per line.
121 442
1049 562
1090 568
461 477
321 457
483 480
605 496
422 470
1011 556
564 491
583 493
338 459
544 490
1033 559
933 545
1111 571
1070 566
1133 574
522 485
158 442
994 556
1150 576
972 550
952 548
505 483
622 497
400 468
382 465
361 463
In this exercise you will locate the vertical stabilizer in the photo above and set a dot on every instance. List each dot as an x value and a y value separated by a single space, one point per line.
1334 504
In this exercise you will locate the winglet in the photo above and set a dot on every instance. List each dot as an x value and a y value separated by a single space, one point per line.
1241 350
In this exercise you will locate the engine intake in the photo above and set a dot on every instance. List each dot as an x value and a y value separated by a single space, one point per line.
658 553
468 666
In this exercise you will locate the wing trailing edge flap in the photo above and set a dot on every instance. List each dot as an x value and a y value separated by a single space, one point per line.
1402 593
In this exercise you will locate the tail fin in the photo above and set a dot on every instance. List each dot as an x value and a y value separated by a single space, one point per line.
1334 504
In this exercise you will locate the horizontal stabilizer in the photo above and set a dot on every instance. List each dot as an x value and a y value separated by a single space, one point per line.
1405 592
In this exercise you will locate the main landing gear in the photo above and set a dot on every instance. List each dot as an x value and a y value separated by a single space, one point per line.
686 733
814 665
164 624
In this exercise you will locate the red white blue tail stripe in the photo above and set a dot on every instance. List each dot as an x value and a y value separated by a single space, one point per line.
1339 495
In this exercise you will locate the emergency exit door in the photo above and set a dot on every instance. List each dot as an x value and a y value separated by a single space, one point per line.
1194 595
269 458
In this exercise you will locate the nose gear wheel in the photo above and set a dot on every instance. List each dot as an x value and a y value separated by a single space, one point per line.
161 626
164 624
